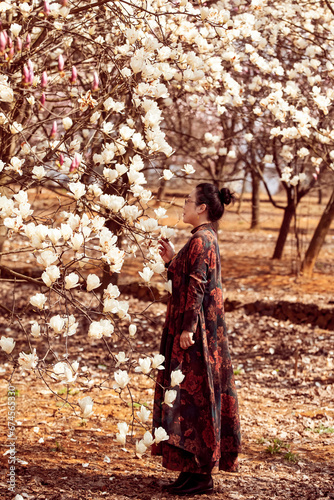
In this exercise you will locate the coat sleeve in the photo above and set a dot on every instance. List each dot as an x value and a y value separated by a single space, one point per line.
197 269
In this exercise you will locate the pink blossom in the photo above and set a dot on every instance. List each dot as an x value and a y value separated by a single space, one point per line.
95 85
53 130
18 44
74 75
61 63
28 42
3 42
44 80
46 8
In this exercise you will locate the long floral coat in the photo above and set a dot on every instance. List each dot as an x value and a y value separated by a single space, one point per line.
204 419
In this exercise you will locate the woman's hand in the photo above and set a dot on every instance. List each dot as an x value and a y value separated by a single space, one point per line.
186 339
166 251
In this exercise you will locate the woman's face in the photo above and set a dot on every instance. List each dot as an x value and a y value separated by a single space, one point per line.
190 209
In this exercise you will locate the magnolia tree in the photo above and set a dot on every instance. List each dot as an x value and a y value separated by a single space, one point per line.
270 102
81 87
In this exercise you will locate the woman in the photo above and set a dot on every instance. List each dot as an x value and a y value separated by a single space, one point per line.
203 422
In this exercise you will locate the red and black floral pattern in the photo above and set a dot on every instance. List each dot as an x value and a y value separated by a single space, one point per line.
203 423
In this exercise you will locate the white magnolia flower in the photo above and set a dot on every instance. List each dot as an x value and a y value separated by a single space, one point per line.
140 448
160 435
132 330
121 358
149 225
123 428
57 323
157 361
157 267
71 281
122 379
112 291
38 300
15 29
66 231
95 330
78 189
147 274
120 438
143 414
86 405
148 439
50 275
170 397
70 326
144 365
95 116
7 344
167 175
35 329
77 240
188 169
15 127
28 361
176 378
6 95
168 286
160 213
107 327
93 281
47 258
54 235
38 172
64 372
67 123
16 164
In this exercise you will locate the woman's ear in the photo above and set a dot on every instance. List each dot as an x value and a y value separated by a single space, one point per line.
202 208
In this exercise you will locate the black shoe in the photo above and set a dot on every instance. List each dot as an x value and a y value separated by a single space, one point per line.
197 484
181 480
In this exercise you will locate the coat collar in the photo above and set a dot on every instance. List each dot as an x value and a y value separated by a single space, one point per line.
202 226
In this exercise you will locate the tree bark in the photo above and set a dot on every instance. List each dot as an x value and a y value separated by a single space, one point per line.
289 212
256 181
318 238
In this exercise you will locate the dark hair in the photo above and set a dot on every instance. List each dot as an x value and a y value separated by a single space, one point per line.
214 199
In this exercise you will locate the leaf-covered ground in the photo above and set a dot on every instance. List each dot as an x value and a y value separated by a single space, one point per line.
284 372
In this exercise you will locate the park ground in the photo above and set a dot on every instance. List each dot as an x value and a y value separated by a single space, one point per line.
283 360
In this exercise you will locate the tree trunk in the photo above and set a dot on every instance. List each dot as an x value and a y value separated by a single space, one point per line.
243 190
289 212
318 238
256 181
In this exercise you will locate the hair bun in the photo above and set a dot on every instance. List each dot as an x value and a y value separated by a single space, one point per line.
225 196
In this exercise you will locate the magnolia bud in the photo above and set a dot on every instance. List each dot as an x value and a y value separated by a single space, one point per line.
25 75
60 63
11 53
53 130
74 75
44 80
28 42
64 3
46 8
31 76
3 42
42 99
30 65
95 85
10 42
75 163
61 159
18 44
